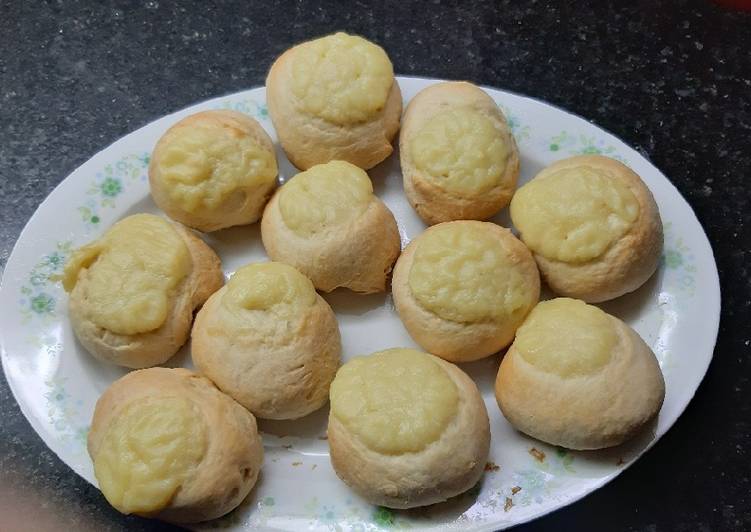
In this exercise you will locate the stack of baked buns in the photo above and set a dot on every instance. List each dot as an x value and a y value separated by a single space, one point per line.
406 427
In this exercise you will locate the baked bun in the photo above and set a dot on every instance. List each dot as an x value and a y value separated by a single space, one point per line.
213 169
167 444
334 98
133 291
327 223
269 341
578 377
459 158
593 226
462 288
406 428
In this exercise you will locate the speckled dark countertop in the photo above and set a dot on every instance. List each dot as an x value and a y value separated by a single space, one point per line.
672 78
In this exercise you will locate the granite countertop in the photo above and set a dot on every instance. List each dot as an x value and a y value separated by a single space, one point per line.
672 78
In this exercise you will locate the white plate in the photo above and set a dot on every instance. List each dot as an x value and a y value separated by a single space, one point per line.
57 383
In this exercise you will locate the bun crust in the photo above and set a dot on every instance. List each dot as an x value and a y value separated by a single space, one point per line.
234 452
445 468
591 411
433 203
457 341
240 204
154 347
281 369
309 140
357 255
628 263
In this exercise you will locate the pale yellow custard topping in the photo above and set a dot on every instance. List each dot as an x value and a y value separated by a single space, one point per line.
132 272
203 165
463 274
461 150
325 196
148 452
574 214
269 286
567 337
395 401
343 79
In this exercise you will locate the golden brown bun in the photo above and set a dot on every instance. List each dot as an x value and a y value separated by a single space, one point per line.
591 411
456 341
445 468
243 205
628 263
435 204
154 347
278 369
358 256
234 453
309 140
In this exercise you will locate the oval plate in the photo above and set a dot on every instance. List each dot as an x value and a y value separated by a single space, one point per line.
57 383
